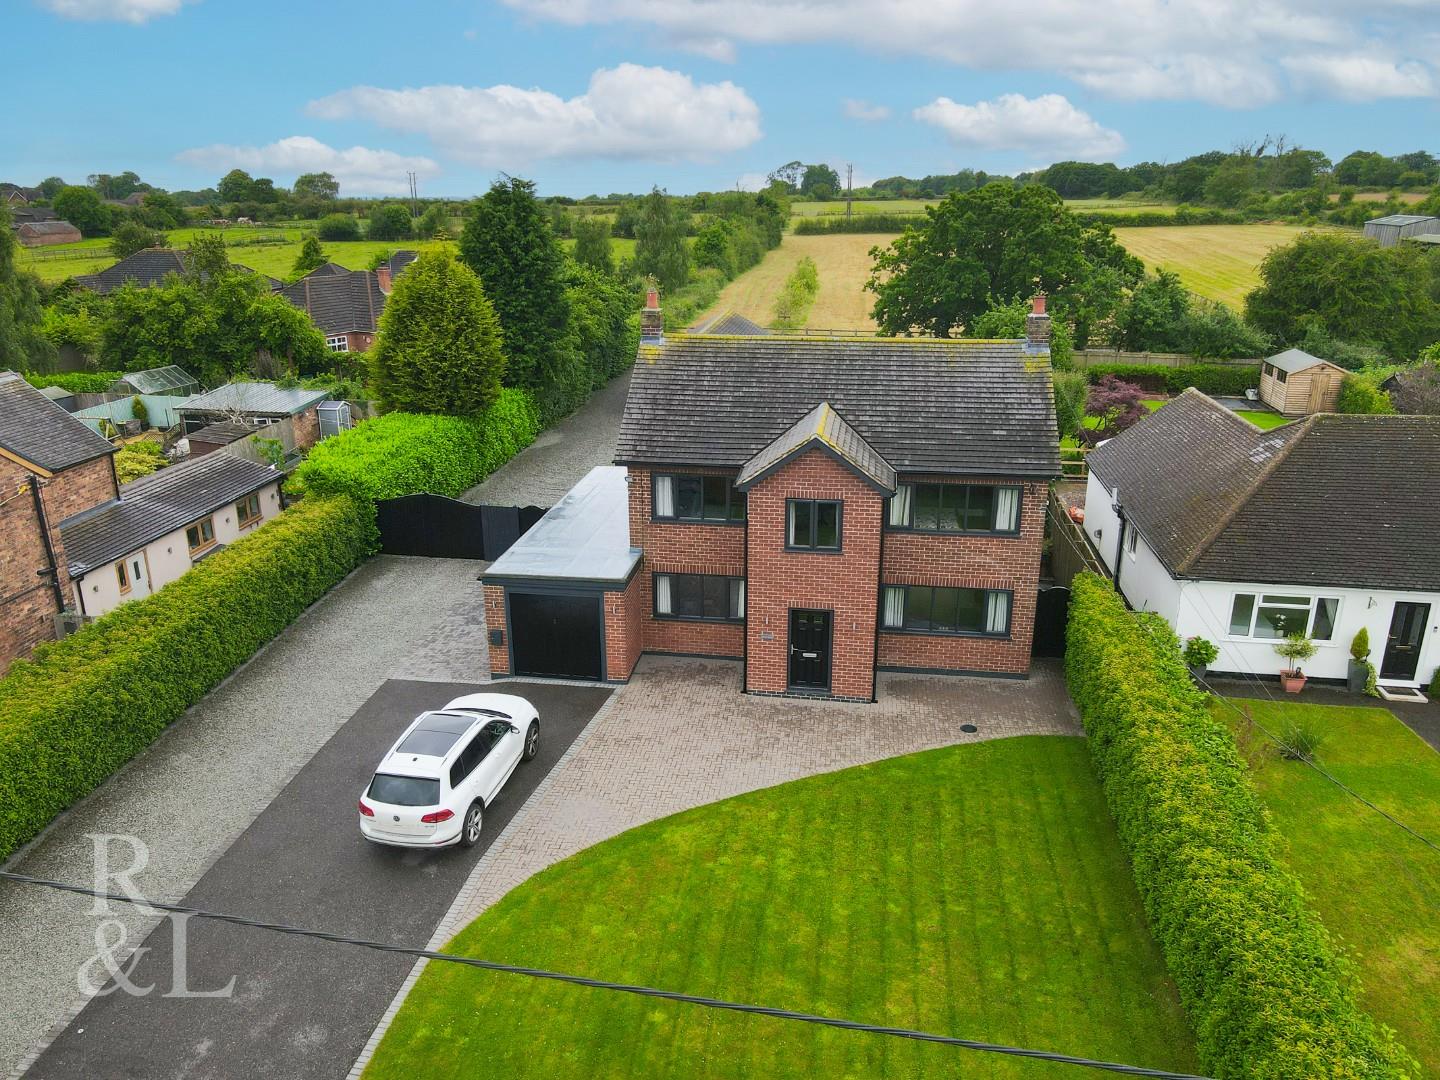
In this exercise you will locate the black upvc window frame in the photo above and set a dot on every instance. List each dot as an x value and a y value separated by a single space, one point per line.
814 548
946 492
906 626
734 499
728 588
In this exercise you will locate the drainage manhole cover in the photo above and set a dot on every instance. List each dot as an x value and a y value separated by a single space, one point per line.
969 729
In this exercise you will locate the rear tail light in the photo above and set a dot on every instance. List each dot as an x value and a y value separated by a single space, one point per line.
437 816
365 811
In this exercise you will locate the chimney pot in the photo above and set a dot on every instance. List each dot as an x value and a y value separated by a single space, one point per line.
1037 326
652 322
382 277
1037 304
652 301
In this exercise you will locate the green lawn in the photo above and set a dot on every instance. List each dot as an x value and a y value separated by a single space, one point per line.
975 890
1262 418
1375 887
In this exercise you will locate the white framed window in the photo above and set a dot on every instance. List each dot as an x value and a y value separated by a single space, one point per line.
1275 616
337 343
1132 541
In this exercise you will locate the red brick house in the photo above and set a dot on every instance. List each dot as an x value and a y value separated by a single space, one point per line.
815 507
51 467
345 305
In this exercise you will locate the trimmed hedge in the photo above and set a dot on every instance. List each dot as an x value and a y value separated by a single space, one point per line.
85 705
859 223
76 382
1267 992
1207 378
406 453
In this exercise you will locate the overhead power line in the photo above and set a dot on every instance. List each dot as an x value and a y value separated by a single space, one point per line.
624 988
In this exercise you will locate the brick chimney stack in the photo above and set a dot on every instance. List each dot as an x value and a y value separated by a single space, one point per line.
652 322
382 275
1037 326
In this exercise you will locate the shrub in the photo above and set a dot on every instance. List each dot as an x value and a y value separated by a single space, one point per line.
88 703
1200 652
1295 648
1360 394
793 305
1360 644
1435 684
1267 992
859 223
138 459
76 382
338 227
1070 389
1207 378
408 453
1299 742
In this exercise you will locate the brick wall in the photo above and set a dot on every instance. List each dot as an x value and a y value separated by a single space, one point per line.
843 583
495 620
985 562
682 548
624 630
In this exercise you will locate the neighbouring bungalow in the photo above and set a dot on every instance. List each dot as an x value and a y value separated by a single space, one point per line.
345 305
728 322
818 508
1294 383
146 269
1242 536
44 233
162 524
256 404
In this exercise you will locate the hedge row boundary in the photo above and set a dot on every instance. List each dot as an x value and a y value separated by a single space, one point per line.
76 382
85 705
1231 379
1267 991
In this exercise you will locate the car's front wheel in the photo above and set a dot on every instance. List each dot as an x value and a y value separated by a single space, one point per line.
470 830
532 740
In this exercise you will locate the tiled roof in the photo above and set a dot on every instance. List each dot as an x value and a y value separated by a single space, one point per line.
399 261
145 268
223 433
327 269
157 504
46 228
825 429
948 406
728 322
34 428
249 397
1329 500
339 303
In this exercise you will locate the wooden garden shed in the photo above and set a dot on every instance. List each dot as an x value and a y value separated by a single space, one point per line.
1296 384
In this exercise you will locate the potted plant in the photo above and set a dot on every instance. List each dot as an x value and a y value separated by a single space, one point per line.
1295 648
1199 654
1359 669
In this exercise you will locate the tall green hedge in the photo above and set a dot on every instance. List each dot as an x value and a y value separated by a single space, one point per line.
1207 378
406 453
1267 992
857 223
76 382
85 705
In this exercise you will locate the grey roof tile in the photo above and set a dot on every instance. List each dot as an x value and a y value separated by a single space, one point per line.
728 322
339 303
35 428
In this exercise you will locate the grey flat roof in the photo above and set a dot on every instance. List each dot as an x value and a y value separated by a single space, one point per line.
585 537
1399 219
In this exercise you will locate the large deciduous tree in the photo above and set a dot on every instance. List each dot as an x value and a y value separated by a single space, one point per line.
660 250
440 346
236 186
314 185
131 236
508 243
81 206
389 222
997 241
23 346
592 244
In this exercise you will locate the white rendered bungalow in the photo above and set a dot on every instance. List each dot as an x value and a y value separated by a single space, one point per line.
1242 536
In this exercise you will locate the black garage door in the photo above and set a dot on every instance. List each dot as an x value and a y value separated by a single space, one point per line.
556 635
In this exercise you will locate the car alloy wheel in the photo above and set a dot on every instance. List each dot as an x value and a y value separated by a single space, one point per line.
473 821
532 740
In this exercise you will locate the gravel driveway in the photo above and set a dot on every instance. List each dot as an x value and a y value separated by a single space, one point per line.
193 792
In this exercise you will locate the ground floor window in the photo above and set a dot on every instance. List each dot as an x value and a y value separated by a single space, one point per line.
248 509
933 609
200 535
699 596
338 343
1274 616
123 575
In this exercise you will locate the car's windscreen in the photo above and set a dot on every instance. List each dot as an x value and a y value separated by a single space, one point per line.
404 790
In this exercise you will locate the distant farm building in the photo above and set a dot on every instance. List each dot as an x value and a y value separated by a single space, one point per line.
1393 228
42 233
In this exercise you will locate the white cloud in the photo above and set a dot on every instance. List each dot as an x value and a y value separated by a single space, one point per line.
131 11
856 109
628 111
1359 78
360 170
1047 128
1225 52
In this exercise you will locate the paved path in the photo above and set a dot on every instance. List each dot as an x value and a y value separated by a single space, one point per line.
192 793
551 466
302 1009
681 734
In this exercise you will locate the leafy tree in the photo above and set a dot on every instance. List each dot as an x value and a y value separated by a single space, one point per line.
207 258
603 322
1359 393
319 185
389 222
508 243
1153 316
439 346
131 236
81 206
1353 290
338 227
115 187
1115 404
660 250
1189 182
23 344
311 256
790 174
1231 182
263 191
236 186
816 177
161 211
1071 392
52 186
592 244
995 241
435 222
1215 331
1008 321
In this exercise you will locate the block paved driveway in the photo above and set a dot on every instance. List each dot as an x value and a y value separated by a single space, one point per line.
302 1008
681 734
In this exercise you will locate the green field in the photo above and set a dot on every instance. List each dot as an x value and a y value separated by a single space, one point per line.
809 208
843 262
1375 887
1220 262
976 890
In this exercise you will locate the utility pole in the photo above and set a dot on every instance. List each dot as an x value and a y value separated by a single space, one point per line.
414 207
849 189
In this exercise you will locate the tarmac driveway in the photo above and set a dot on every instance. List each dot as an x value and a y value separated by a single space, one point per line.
303 1008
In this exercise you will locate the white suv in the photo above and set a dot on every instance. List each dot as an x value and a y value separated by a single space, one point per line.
432 788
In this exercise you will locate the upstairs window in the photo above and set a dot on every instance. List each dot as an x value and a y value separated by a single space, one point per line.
955 508
337 343
812 525
682 497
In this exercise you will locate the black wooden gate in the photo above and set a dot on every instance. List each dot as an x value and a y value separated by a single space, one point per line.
449 529
1051 611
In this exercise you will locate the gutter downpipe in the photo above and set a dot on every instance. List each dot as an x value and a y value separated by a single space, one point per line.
53 570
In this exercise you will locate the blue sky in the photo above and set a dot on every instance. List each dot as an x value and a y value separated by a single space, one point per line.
615 95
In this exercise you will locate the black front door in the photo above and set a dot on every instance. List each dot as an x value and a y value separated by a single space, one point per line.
809 649
1407 631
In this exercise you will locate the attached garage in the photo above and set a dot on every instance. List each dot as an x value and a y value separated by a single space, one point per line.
560 602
